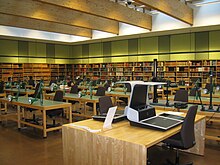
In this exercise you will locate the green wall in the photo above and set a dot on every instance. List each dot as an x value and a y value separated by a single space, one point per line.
187 46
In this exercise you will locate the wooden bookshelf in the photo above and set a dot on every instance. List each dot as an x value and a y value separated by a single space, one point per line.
172 70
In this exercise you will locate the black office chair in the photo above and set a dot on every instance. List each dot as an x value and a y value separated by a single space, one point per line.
34 119
208 88
182 83
105 103
106 86
74 90
2 87
100 92
57 112
185 139
125 99
181 99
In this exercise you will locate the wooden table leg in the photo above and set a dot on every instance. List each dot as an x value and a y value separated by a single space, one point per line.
70 114
94 109
19 116
44 124
67 114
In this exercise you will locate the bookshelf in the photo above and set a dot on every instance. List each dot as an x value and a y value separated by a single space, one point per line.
187 70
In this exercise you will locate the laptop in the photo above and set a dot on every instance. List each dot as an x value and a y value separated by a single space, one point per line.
119 116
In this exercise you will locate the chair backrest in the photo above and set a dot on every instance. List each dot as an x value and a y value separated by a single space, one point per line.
182 82
100 91
181 95
128 86
58 96
105 103
2 87
74 89
36 90
187 129
208 87
106 86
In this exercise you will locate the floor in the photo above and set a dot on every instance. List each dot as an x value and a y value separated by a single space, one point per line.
27 146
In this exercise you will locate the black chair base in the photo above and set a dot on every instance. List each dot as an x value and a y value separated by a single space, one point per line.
171 163
53 125
33 121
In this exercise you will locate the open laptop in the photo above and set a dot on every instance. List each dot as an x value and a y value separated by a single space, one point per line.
119 116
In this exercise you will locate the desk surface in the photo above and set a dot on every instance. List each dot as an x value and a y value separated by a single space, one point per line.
205 100
22 91
47 104
70 96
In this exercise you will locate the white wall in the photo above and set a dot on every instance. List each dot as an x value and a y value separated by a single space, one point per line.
207 15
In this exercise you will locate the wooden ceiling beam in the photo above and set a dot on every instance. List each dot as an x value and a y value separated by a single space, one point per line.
106 9
173 8
29 23
51 13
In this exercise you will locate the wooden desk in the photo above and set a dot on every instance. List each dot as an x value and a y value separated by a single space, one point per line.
22 91
205 100
122 145
171 89
215 95
115 95
47 105
185 87
83 99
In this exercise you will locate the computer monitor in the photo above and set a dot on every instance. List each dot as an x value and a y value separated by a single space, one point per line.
139 98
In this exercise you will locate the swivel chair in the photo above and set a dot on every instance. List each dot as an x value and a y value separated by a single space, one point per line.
125 99
34 119
57 112
74 90
185 139
105 103
100 92
181 99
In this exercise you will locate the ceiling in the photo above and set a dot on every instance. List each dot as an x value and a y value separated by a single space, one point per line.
82 17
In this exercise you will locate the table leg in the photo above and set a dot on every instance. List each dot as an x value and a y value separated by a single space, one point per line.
44 124
94 108
67 114
70 114
19 116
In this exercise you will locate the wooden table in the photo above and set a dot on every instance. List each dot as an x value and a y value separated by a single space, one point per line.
121 145
171 89
83 99
47 105
214 95
22 91
205 100
115 95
